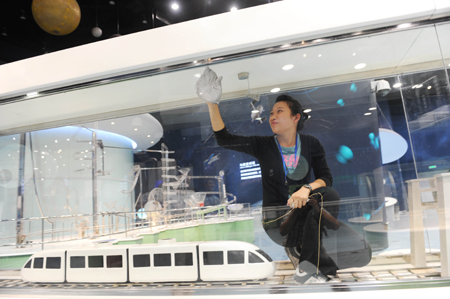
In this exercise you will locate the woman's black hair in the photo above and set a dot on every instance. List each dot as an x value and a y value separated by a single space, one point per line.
295 107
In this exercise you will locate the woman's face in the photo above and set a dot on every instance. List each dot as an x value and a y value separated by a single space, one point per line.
281 120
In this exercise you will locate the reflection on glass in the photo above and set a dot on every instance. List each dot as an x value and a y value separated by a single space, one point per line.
380 143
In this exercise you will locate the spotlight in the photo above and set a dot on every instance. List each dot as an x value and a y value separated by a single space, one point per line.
381 87
175 6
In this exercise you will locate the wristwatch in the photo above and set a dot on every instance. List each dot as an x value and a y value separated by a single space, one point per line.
309 187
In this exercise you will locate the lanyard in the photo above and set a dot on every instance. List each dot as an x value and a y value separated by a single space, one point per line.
286 169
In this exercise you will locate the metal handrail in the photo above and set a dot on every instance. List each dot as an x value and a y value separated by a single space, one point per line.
110 223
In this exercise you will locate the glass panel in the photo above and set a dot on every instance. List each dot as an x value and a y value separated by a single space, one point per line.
212 258
236 256
141 260
376 136
77 262
53 263
95 261
28 264
261 252
253 258
162 260
38 263
183 259
114 261
444 42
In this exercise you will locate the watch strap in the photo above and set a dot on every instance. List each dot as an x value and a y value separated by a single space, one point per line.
309 187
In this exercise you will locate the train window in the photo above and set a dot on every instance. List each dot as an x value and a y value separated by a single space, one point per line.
77 262
114 261
95 261
183 259
213 258
162 260
28 265
38 263
253 258
141 260
53 263
236 256
264 254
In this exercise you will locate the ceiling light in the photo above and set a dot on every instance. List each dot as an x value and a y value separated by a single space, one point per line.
195 61
175 6
419 85
287 67
233 9
429 87
304 55
56 141
32 94
307 110
285 45
135 129
144 21
197 75
148 136
68 139
320 55
112 2
360 66
354 54
373 108
258 118
397 85
152 142
112 122
368 113
275 90
405 25
414 86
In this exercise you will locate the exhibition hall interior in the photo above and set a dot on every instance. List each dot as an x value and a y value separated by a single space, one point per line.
150 186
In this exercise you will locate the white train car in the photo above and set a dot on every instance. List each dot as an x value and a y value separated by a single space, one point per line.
45 266
97 264
233 260
167 261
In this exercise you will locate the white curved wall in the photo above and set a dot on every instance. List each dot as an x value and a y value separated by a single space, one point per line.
63 176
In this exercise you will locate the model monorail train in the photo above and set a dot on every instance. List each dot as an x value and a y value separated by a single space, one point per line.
167 261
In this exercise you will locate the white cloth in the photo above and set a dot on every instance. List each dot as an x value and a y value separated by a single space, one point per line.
209 86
